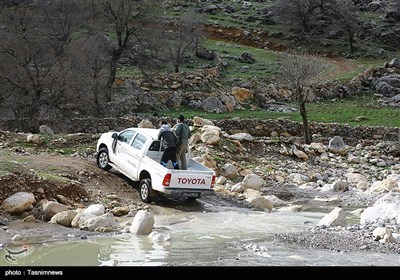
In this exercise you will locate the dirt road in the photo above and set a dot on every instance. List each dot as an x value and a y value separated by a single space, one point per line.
82 183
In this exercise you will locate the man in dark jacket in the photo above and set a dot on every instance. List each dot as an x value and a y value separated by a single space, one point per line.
169 140
182 130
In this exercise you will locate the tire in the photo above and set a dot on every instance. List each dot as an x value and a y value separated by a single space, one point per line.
145 190
103 159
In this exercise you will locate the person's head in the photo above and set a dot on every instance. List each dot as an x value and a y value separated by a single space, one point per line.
163 123
181 118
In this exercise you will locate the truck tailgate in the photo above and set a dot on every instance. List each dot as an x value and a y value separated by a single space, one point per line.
187 179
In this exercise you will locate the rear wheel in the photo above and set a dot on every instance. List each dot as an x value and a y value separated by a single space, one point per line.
103 159
146 191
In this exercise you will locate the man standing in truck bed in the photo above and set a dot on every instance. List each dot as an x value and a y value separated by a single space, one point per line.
169 140
183 132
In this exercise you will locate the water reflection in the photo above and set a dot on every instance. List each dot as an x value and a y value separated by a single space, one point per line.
132 250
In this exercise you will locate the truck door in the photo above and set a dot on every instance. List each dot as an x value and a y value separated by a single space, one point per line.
132 156
123 143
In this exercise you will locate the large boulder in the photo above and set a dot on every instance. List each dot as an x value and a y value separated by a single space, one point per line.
337 217
18 202
386 207
106 221
63 218
252 181
142 223
337 146
51 208
95 209
213 104
388 85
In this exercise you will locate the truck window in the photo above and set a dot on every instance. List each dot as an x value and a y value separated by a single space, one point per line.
139 141
155 146
126 136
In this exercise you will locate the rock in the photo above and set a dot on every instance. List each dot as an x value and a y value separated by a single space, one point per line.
34 138
337 217
386 207
45 130
51 208
142 223
210 135
104 221
95 209
260 203
64 218
29 219
81 218
337 146
383 234
18 202
340 186
61 199
146 124
120 211
275 201
252 181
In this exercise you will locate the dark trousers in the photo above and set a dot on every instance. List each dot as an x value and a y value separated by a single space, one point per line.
169 155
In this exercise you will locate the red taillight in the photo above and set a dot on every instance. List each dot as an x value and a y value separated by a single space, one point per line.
167 180
213 181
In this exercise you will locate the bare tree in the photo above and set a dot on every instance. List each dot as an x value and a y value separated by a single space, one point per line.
147 53
39 59
296 13
298 71
27 60
93 56
127 18
62 20
346 16
184 36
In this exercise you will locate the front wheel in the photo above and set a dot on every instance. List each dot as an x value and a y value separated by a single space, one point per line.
146 191
103 159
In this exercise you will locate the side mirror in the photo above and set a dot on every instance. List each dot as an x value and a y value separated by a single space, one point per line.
114 135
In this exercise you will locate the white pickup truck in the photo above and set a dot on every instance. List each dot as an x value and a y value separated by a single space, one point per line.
136 153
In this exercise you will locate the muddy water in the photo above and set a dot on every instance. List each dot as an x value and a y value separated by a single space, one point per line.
223 236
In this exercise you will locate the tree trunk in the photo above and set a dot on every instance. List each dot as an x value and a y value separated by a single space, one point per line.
96 99
112 73
306 129
351 39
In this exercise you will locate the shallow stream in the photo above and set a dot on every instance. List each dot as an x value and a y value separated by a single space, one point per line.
218 236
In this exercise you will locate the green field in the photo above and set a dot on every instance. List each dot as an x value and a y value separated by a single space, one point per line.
360 110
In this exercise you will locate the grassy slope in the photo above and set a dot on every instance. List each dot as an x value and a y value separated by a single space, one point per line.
362 109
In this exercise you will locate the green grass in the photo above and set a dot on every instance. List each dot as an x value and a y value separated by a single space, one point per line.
53 177
360 110
128 72
6 166
264 65
362 65
367 16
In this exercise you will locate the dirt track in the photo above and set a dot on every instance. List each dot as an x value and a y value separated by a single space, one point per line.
84 184
337 66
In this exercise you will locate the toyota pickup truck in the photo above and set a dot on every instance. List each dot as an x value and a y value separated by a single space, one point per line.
136 153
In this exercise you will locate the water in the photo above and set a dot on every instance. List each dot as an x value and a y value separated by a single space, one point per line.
224 237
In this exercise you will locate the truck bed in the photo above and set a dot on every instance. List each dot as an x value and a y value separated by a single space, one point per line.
192 165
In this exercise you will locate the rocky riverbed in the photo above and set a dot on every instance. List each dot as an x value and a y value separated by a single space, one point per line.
264 174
